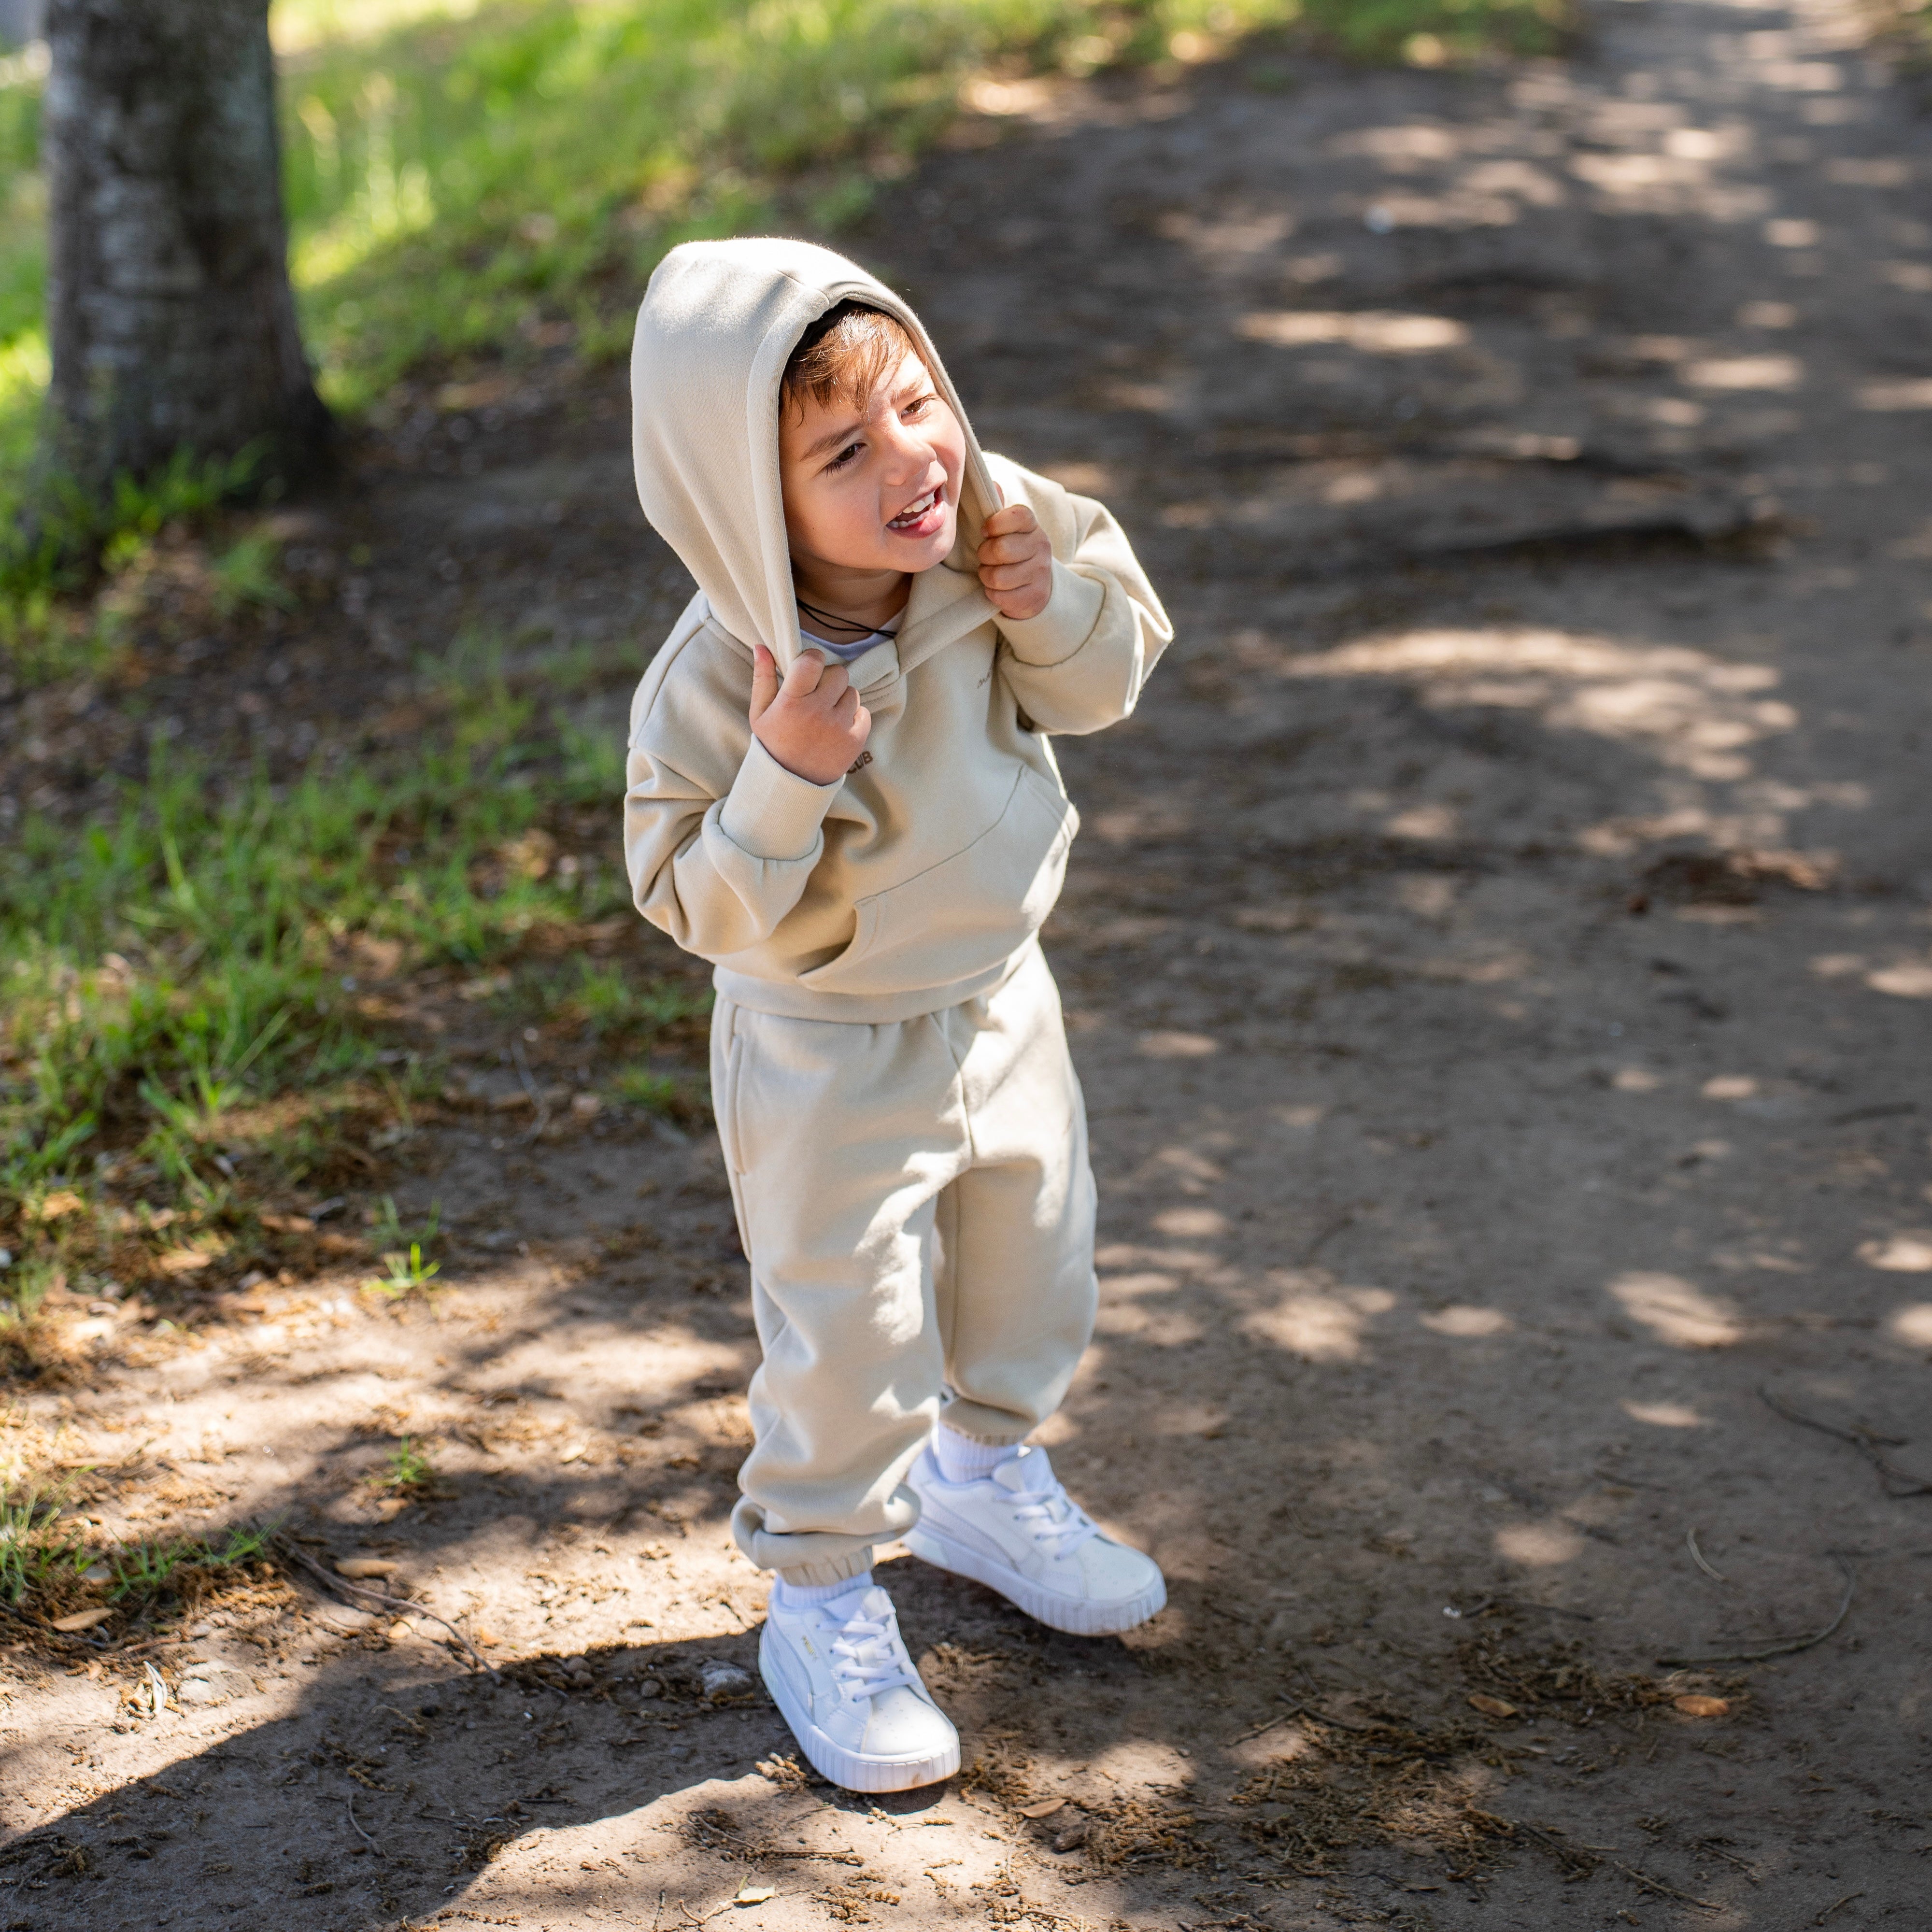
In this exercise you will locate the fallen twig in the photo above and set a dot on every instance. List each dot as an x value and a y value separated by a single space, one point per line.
358 1823
1617 1481
1716 1851
1896 1482
1790 1649
1294 1711
403 1605
1572 1854
1830 1909
1697 1558
529 1086
716 1911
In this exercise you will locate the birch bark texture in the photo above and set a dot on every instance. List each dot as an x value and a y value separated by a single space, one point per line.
170 318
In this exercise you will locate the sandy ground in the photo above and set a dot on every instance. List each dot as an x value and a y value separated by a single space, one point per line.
1499 958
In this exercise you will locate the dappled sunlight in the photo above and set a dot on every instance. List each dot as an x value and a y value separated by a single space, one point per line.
1202 1224
1744 372
297 26
1462 1320
1676 1311
1187 1168
1157 1327
1537 1546
1911 980
1138 1761
1664 1415
1373 332
1178 1045
1425 822
1694 711
1437 405
1908 1251
1729 1087
1316 1320
1912 1325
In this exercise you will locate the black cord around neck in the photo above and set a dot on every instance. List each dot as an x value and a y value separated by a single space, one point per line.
838 623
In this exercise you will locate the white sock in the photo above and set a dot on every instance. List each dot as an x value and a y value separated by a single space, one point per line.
961 1459
803 1596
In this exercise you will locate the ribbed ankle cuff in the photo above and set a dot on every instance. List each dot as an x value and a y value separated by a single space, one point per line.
802 1596
962 1460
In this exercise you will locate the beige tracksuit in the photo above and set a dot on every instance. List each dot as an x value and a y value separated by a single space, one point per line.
903 1129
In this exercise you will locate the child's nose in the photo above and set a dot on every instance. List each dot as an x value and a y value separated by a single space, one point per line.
907 452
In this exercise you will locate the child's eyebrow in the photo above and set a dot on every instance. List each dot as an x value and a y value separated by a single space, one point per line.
832 438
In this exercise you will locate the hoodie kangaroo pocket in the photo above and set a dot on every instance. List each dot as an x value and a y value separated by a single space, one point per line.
967 913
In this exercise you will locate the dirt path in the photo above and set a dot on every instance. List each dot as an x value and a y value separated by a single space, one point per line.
1500 954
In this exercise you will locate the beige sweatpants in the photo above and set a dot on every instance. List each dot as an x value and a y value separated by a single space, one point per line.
916 1201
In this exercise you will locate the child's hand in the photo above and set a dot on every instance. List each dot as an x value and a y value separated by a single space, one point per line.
1016 562
813 724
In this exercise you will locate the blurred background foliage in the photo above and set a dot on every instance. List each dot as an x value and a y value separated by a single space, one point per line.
459 176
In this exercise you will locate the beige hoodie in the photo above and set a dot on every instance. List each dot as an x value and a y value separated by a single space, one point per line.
919 878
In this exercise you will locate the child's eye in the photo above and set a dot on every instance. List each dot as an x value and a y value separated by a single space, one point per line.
916 408
844 456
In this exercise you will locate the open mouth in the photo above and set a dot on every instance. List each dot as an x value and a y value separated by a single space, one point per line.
916 512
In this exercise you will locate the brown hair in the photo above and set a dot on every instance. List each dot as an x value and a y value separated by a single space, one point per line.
850 350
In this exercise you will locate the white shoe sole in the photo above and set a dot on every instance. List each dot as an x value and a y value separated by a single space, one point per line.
1078 1616
853 1770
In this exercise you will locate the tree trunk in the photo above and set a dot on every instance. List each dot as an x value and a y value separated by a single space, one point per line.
171 320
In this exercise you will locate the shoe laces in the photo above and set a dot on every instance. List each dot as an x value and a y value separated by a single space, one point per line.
871 1658
1054 1518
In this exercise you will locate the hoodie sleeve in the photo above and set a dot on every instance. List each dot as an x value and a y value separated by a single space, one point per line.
719 839
1079 665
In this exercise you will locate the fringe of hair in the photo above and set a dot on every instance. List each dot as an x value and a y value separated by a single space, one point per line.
849 351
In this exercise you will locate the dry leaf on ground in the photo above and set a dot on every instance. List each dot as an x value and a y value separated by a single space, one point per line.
1694 1706
361 1567
82 1620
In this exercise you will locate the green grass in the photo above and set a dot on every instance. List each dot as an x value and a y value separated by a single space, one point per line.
408 1274
465 188
47 1568
403 1251
36 1546
143 1571
667 1096
197 990
407 1467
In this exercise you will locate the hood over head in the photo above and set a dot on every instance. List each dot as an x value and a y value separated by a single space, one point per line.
718 324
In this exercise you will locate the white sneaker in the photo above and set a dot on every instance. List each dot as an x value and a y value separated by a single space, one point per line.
840 1673
1019 1532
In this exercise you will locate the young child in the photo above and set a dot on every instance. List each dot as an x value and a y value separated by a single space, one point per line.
842 793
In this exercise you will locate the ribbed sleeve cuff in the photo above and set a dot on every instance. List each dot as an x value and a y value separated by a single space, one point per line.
772 813
1072 610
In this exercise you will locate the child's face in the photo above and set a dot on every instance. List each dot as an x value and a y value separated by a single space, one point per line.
877 489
